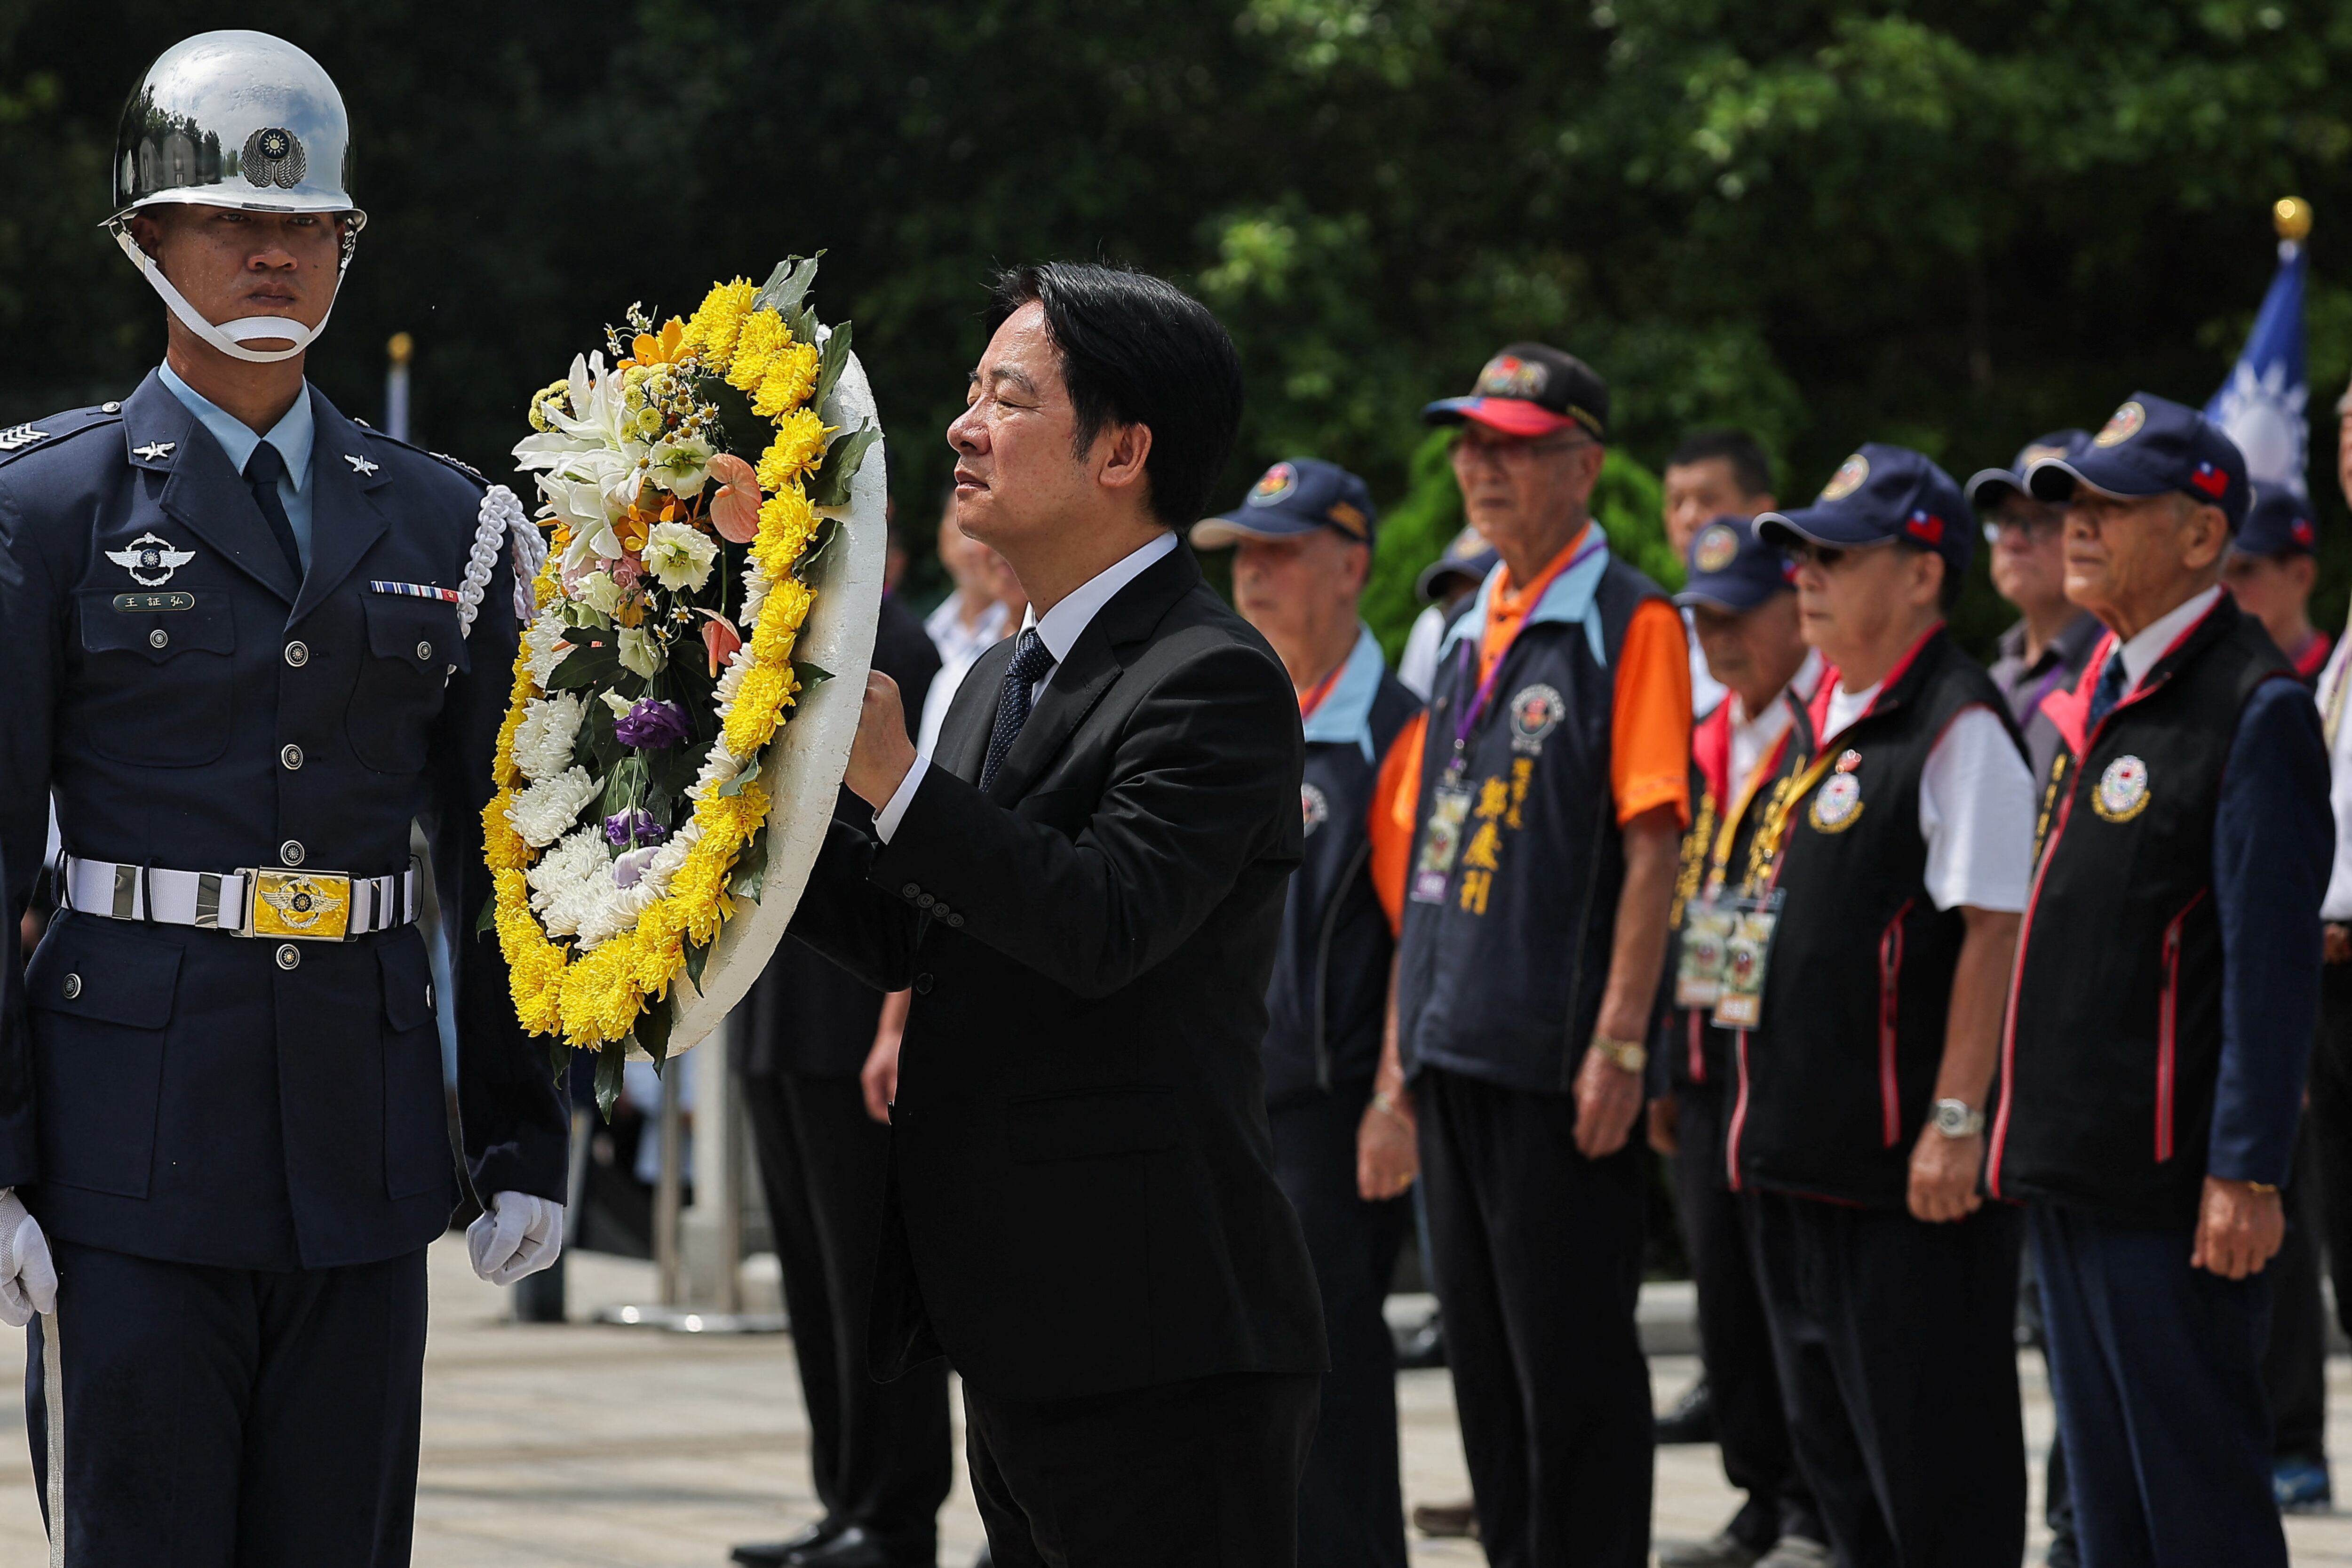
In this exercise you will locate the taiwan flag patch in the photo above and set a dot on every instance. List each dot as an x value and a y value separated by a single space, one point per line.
2209 481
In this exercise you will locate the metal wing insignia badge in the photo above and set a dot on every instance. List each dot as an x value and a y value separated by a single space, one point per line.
151 560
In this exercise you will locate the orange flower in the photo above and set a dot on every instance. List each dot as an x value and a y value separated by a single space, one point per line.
735 509
720 637
648 349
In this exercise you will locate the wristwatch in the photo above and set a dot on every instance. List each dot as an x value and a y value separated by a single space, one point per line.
1957 1118
1626 1055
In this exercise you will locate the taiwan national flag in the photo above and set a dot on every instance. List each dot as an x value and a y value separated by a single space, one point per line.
2262 406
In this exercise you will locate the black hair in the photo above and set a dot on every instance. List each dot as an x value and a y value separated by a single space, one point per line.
1750 469
1137 350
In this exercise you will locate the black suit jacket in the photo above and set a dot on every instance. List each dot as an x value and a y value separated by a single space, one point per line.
805 1016
1082 1198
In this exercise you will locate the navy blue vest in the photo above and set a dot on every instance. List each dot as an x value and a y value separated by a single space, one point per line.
1502 979
1329 990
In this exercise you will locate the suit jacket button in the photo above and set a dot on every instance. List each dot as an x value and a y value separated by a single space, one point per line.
159 639
922 985
298 653
909 891
925 901
73 986
425 653
956 921
941 912
291 852
291 756
289 955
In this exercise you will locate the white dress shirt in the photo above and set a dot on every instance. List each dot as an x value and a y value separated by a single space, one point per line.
2154 640
1752 738
293 435
2337 906
1059 628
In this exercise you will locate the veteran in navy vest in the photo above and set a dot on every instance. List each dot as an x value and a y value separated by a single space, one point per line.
252 640
1865 983
1547 789
2166 985
1302 541
1742 602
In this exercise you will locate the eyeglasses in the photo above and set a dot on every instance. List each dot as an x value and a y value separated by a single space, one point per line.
2038 530
1514 454
1804 552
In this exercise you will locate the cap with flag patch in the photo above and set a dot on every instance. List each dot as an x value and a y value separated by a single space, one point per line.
1468 557
1531 389
1988 488
2151 446
2277 524
1879 494
1732 569
1296 496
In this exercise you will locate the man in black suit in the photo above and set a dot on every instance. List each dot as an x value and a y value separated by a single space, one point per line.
1084 888
878 1452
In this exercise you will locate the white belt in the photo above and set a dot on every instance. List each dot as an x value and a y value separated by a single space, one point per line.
315 905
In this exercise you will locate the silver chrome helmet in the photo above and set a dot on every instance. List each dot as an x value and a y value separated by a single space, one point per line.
235 119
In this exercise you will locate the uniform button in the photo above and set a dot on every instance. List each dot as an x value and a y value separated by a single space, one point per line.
298 653
424 651
925 901
922 985
73 986
289 955
940 913
909 891
291 852
159 637
109 408
956 921
291 756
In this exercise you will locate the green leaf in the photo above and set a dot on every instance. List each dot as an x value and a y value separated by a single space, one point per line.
734 787
559 1061
742 432
587 665
488 919
841 464
698 953
829 368
828 529
752 868
810 675
653 1031
610 1061
788 285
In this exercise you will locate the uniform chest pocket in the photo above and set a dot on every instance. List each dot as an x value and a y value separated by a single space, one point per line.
157 688
412 648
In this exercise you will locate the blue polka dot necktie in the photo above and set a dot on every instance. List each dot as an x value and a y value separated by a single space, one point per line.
262 471
1031 659
2110 689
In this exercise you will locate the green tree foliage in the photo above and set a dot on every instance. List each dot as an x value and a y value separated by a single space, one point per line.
1951 223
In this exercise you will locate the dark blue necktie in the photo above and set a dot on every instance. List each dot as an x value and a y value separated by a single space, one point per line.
1031 661
2110 689
262 471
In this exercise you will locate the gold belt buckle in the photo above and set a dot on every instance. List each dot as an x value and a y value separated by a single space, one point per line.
311 906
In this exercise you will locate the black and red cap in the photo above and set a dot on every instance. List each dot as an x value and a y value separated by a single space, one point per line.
1531 389
2151 446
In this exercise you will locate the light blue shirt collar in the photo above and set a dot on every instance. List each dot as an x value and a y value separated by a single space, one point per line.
1346 713
293 435
1569 598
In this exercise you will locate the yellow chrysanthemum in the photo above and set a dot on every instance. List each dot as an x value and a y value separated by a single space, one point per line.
798 447
763 337
792 376
713 330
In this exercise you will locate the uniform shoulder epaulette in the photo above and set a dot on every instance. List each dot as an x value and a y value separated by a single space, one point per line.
41 435
444 458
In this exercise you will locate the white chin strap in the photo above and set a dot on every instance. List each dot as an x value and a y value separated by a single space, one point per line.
230 337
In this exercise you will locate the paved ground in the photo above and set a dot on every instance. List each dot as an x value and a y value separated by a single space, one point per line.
583 1447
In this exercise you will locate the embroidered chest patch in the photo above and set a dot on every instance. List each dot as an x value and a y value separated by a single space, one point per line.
2122 792
1535 713
1837 804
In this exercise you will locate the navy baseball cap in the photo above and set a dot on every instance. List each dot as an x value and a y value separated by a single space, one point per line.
1988 488
2277 524
1881 494
1732 569
2151 446
1468 556
1295 497
1531 389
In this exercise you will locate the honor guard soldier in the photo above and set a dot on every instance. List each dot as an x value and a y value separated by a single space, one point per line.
2160 1020
1865 979
252 640
1302 543
1743 607
1547 790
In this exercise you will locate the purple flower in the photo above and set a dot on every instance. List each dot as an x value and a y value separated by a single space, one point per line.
630 868
651 726
637 824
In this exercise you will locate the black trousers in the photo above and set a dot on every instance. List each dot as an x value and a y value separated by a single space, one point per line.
2294 1357
1735 1337
228 1418
2157 1369
1539 1269
881 1452
1175 1476
1899 1369
2328 1130
1350 1507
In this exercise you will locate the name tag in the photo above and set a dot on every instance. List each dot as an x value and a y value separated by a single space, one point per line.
1747 955
1441 842
1706 949
140 604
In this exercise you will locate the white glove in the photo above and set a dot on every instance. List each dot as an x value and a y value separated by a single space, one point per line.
517 1235
28 1276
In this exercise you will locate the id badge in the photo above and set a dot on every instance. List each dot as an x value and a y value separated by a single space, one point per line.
1706 947
1747 955
1449 808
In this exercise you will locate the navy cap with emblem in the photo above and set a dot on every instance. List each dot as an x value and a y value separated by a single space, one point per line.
1988 488
1468 560
2151 446
1296 496
2277 524
1881 494
1531 389
1732 569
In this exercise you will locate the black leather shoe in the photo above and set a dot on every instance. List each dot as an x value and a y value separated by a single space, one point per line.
1419 1349
858 1547
1692 1420
773 1553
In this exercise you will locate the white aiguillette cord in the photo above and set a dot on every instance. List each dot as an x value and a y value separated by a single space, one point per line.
230 337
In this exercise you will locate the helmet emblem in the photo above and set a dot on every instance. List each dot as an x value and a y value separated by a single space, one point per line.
273 156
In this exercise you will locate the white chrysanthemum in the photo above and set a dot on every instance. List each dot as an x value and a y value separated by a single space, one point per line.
730 680
542 813
543 743
718 770
544 635
680 555
568 884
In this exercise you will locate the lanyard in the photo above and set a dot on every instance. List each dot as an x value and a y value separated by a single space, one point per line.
1467 662
1312 697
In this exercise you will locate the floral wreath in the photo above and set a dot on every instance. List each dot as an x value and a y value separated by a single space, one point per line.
646 686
